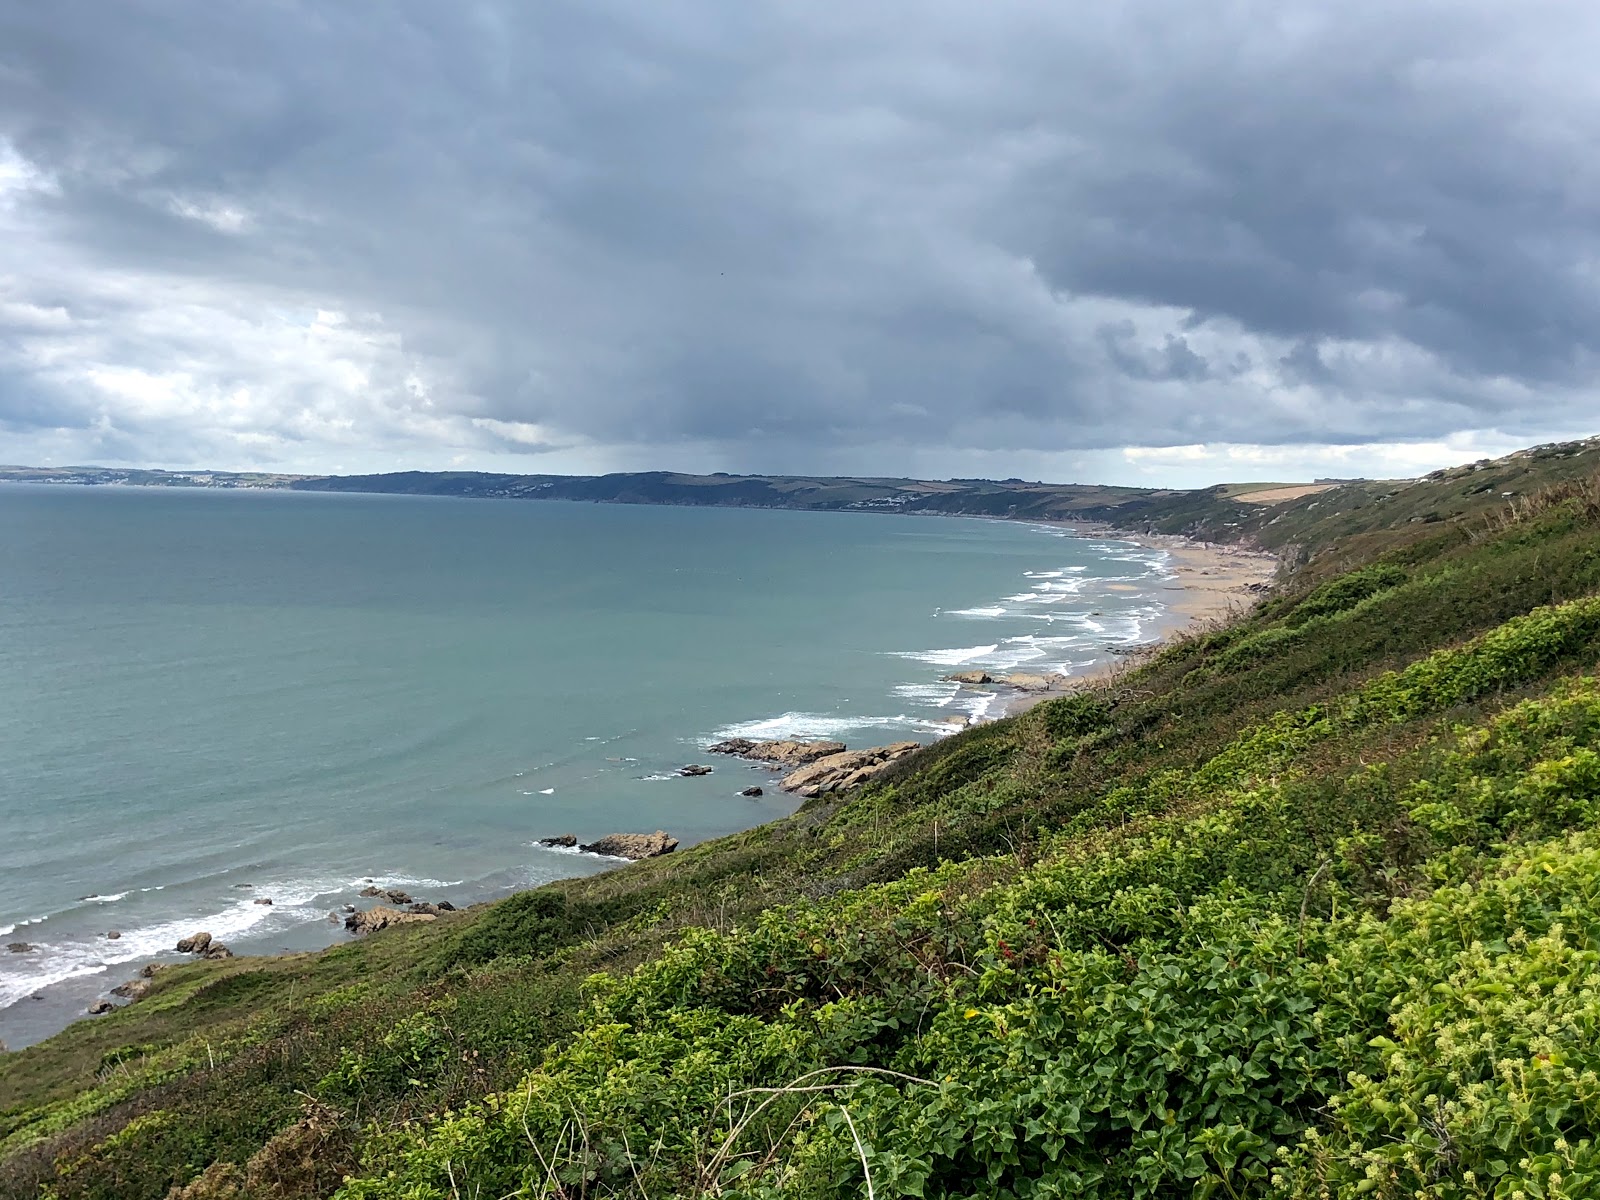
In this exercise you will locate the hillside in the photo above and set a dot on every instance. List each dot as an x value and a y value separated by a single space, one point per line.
1302 906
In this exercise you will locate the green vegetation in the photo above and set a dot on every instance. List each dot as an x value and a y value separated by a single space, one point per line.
1304 906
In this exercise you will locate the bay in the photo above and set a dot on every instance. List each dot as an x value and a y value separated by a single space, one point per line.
302 693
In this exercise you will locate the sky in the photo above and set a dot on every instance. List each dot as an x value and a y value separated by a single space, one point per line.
1156 241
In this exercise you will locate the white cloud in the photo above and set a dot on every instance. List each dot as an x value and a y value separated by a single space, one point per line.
221 215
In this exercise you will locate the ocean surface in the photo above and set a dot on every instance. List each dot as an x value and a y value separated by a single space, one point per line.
302 693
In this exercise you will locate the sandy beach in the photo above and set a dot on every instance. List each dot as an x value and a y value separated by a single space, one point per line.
1210 582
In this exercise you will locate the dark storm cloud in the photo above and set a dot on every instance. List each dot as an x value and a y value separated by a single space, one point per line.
783 231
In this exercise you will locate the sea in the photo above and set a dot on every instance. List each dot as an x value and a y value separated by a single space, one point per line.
213 697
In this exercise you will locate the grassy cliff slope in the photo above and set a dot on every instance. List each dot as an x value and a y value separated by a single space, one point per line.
1306 905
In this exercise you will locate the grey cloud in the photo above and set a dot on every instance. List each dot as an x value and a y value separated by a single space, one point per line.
794 229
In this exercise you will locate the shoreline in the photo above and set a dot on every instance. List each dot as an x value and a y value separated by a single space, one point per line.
1209 581
1194 582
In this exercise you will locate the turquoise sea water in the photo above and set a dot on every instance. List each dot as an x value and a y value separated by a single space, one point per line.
303 692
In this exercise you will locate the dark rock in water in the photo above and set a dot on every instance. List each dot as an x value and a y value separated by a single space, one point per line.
396 896
217 950
633 845
113 934
194 944
693 770
380 917
19 947
262 900
134 989
100 1006
564 839
739 747
371 891
752 791
970 677
149 970
244 885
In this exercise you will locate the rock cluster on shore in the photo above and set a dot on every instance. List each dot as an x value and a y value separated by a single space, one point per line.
204 945
821 766
813 769
1022 681
786 753
633 845
840 772
382 917
392 895
619 845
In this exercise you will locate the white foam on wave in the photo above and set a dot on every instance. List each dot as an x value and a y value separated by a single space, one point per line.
810 726
405 881
294 902
564 850
54 962
97 899
659 778
978 707
934 695
992 610
575 850
947 658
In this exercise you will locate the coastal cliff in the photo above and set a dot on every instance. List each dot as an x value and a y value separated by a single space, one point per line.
1299 904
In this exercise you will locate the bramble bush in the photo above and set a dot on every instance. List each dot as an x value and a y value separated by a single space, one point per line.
1226 1000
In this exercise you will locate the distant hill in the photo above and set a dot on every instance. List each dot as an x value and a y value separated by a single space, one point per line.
1271 515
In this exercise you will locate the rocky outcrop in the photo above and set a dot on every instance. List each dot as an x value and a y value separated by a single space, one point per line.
149 970
1026 682
841 772
382 917
216 950
752 791
393 895
99 1007
432 910
113 934
693 770
134 989
19 947
194 943
972 677
563 840
786 753
633 845
262 900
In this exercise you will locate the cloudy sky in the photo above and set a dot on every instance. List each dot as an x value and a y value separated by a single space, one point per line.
1183 240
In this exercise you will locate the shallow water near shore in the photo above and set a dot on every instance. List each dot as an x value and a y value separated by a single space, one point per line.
305 692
